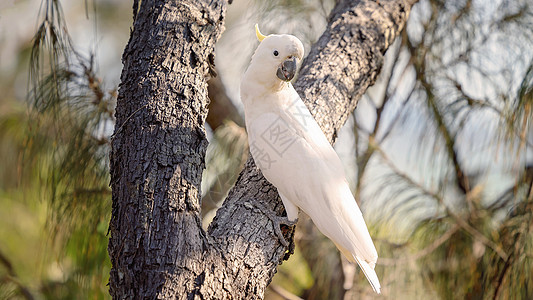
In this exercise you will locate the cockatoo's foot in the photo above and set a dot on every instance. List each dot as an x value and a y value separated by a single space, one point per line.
277 221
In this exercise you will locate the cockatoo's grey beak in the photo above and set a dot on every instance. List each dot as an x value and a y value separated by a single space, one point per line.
287 69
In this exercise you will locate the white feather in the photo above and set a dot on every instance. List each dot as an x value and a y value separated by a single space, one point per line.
294 155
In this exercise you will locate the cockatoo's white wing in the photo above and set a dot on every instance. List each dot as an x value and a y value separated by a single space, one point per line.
293 154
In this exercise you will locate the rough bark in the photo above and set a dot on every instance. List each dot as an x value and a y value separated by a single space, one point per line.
157 243
157 246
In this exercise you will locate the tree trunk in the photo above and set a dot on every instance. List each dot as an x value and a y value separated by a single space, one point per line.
157 243
157 246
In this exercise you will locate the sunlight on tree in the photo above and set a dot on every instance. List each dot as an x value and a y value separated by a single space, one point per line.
440 154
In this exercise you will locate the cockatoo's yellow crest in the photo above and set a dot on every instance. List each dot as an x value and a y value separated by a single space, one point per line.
260 36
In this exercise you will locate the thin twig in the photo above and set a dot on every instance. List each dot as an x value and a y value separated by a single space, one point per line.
467 227
12 276
283 293
422 253
127 119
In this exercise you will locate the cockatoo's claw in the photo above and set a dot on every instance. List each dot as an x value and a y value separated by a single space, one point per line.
288 222
277 221
278 232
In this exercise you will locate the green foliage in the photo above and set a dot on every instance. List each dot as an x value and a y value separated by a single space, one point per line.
61 152
463 266
464 190
294 275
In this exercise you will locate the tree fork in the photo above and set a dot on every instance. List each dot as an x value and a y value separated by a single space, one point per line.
157 246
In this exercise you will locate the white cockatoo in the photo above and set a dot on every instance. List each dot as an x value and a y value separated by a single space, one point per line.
294 154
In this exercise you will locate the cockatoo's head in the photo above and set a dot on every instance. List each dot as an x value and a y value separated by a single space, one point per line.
277 56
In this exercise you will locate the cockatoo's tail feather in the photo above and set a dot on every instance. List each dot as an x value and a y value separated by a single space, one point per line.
370 274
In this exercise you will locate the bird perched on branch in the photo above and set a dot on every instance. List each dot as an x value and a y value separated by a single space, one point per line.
294 154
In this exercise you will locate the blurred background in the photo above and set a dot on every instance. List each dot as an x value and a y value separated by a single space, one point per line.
438 152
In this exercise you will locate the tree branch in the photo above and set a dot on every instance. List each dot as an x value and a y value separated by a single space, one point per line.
158 151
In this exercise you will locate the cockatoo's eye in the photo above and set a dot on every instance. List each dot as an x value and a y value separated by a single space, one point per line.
276 53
